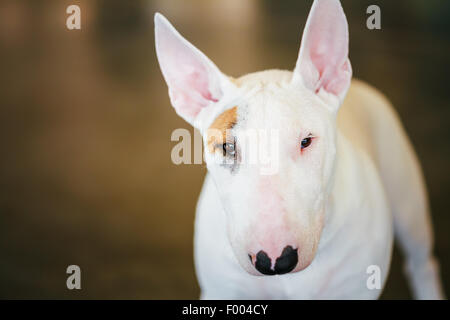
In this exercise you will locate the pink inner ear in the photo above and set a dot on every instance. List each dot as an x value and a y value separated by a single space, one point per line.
192 79
192 94
323 60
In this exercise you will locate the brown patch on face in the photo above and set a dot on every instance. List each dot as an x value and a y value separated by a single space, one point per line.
217 132
235 81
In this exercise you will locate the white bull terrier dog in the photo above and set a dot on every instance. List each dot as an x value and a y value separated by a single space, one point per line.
323 219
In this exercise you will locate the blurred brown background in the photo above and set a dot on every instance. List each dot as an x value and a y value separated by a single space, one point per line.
85 123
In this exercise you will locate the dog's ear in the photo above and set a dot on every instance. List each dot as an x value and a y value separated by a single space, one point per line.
194 82
323 59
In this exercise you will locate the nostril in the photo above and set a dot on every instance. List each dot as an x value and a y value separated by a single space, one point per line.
287 261
263 263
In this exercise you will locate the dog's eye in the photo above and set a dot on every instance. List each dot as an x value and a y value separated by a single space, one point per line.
306 142
229 149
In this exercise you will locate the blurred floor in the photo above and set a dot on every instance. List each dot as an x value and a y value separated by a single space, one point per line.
85 123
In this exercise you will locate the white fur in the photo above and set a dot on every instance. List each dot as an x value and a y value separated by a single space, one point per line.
338 201
367 197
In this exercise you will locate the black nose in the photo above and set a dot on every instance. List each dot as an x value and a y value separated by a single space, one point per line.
284 263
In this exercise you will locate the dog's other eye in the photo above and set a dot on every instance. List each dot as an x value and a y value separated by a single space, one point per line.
229 149
306 142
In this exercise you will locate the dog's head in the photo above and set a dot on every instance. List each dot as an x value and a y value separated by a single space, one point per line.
269 137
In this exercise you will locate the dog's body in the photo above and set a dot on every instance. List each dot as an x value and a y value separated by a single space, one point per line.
330 211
